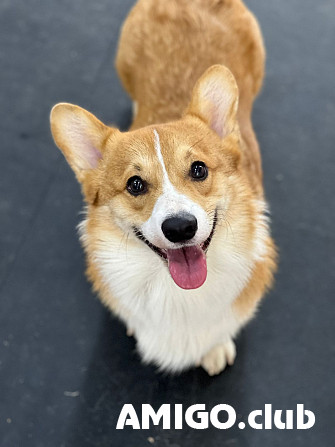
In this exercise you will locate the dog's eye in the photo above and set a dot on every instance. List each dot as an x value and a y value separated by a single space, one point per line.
199 171
136 186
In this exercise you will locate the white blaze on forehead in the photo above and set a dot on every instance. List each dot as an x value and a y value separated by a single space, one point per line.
170 203
159 151
166 181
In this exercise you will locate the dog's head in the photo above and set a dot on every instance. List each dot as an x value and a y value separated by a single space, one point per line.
166 185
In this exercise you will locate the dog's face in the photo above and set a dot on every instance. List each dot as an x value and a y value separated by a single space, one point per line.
166 185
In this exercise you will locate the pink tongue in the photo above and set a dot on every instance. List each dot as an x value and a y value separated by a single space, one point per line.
188 266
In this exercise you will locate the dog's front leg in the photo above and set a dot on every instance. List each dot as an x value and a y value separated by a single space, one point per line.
219 357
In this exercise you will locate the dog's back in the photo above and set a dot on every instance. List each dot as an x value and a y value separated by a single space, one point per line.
166 46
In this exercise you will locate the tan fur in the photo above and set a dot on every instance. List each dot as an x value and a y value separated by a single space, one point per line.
175 45
192 36
261 280
164 49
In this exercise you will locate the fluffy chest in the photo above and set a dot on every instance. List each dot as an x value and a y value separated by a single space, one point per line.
174 327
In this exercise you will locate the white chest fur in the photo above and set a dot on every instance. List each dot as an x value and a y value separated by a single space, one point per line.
174 328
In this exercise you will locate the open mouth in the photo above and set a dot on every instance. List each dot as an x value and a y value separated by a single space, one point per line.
187 265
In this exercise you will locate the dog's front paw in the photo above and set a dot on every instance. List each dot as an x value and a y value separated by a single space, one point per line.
219 357
130 332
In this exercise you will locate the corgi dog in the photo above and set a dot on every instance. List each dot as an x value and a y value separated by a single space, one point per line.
176 231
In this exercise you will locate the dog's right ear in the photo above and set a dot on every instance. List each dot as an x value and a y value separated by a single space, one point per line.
80 136
215 100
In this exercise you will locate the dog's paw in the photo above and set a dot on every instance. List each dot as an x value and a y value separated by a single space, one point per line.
130 332
219 357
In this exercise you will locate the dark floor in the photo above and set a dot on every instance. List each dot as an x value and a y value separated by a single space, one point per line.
66 367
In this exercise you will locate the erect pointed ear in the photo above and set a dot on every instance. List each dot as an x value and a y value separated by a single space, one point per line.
79 135
215 100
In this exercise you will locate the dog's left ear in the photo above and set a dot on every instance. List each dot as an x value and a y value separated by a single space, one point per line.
80 136
215 100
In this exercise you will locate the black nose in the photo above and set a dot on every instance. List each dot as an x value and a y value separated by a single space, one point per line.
180 228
